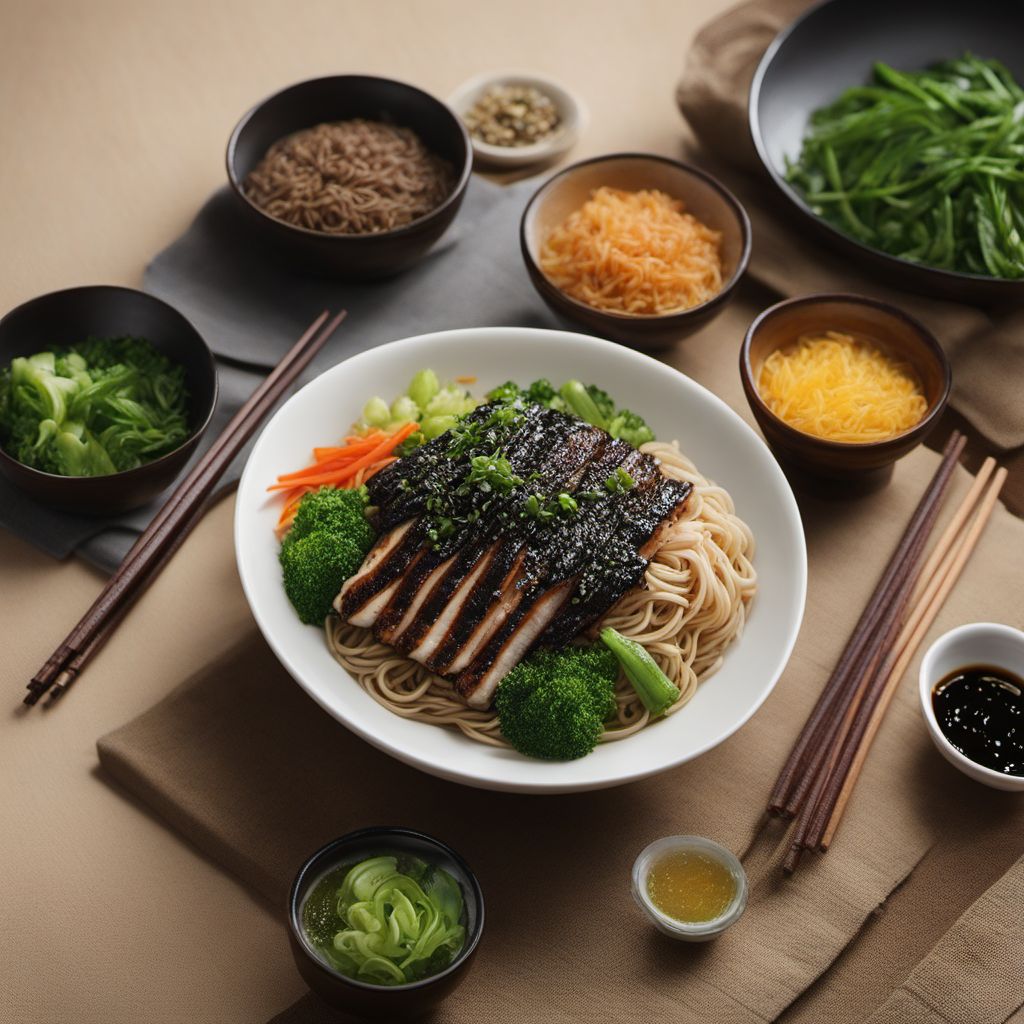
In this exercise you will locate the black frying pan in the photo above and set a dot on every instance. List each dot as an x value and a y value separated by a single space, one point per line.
833 46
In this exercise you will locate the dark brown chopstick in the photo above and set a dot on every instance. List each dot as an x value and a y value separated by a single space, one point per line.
839 746
69 673
953 551
796 777
176 518
813 776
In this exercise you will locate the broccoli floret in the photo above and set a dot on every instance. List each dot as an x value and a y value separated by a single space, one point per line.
540 392
587 401
544 393
604 402
554 704
507 392
314 569
631 428
326 544
335 509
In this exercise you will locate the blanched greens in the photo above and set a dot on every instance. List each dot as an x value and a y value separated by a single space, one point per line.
924 165
104 406
385 921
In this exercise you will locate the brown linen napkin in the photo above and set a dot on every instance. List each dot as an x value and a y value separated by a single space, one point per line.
954 873
247 767
986 347
973 974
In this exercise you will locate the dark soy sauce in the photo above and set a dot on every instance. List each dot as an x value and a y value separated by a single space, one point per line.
980 710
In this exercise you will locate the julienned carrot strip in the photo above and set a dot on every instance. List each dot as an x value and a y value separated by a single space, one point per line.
291 506
338 476
325 466
364 474
352 444
341 455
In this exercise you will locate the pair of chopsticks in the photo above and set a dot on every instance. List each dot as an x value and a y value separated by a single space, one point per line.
819 776
173 522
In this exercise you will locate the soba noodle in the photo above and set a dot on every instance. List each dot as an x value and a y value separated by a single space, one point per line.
698 586
350 178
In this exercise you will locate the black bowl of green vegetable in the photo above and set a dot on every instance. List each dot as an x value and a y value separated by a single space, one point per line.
105 393
384 922
894 129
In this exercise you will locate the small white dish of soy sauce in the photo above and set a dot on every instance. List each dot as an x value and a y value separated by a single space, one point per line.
972 696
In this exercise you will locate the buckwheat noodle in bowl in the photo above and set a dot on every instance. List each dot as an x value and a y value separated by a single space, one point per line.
691 607
352 177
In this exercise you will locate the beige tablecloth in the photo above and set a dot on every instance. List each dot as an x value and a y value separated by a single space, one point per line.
116 114
248 768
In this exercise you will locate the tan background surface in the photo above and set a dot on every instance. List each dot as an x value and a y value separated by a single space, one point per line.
113 119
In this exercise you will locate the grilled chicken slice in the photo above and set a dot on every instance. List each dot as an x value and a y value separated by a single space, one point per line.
518 528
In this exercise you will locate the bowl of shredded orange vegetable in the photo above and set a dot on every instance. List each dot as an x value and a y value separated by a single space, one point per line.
634 247
842 387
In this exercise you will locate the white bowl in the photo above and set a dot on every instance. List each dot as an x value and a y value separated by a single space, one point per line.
979 643
722 445
702 931
572 112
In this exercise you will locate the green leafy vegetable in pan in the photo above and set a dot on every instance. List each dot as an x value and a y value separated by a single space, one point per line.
107 405
924 165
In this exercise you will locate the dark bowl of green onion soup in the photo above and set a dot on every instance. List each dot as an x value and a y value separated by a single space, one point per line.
384 922
126 389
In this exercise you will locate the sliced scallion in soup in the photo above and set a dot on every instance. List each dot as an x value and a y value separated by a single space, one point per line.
388 920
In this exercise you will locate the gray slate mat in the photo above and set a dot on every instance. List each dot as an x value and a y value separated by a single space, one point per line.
250 309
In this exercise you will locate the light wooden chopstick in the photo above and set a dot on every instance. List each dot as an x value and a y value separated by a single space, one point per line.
949 557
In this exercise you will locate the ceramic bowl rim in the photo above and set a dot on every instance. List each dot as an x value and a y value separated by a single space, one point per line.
654 319
821 445
926 683
950 278
146 467
573 110
453 197
384 832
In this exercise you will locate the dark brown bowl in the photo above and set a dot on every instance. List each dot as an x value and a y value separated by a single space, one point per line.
339 98
65 317
831 466
705 197
383 1001
834 45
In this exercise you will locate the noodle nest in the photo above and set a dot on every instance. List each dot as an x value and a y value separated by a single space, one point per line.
698 587
350 178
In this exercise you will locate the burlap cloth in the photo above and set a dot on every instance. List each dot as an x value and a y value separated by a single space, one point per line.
986 347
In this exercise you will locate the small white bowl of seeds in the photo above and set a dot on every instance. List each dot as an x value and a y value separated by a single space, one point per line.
516 119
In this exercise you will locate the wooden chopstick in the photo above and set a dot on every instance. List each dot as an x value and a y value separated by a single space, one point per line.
930 602
69 673
178 516
857 718
823 773
79 636
795 780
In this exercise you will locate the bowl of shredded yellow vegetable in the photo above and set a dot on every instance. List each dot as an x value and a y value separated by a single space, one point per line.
842 387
